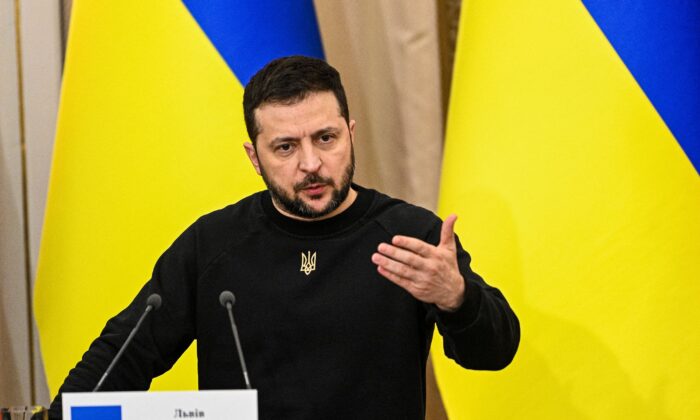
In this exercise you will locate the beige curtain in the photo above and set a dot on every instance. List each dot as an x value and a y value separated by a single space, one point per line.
30 72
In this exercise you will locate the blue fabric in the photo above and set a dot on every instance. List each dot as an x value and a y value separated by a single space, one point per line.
248 34
659 42
105 412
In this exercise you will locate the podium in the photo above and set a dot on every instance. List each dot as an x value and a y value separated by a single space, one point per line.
144 405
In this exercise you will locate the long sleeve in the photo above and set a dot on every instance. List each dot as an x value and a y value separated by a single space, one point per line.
484 332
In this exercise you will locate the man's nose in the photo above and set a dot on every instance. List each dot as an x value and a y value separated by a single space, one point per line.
309 159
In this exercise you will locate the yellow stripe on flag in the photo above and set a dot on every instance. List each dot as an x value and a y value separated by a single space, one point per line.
149 137
576 200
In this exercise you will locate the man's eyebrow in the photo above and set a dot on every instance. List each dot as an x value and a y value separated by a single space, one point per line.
316 134
325 130
283 139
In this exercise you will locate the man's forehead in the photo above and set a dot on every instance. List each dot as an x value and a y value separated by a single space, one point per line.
320 108
324 98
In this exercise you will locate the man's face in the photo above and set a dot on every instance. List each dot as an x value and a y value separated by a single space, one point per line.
304 153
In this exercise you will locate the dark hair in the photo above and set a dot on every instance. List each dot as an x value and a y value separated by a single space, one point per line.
288 80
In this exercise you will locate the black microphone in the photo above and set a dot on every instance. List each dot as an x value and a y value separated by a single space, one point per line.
227 300
152 304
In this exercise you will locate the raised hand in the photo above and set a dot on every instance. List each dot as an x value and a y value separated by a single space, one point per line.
429 273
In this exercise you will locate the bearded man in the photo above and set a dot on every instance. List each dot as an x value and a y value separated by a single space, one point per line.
338 287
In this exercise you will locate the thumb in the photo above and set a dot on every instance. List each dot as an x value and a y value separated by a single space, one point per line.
447 233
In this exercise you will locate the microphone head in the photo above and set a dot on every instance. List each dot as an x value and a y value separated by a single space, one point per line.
154 301
227 297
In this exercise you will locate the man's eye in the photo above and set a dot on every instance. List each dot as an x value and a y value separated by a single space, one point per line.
284 147
326 138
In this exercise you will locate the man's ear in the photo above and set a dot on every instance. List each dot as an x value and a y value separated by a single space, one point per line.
252 155
351 127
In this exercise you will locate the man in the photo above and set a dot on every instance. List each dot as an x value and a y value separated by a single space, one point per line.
338 287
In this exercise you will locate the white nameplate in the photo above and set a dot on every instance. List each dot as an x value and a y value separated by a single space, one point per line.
173 405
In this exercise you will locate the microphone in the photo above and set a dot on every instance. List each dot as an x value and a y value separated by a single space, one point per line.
227 300
152 304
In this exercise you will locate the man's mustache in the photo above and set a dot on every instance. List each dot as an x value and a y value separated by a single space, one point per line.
311 179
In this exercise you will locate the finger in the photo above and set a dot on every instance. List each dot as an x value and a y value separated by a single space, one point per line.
412 244
398 268
402 255
398 280
447 232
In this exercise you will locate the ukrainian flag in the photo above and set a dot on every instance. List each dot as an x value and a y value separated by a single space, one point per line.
149 137
572 156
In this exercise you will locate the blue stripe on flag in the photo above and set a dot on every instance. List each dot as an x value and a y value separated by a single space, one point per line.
98 412
248 34
659 42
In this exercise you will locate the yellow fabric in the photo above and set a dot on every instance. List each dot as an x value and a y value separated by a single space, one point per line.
149 137
577 202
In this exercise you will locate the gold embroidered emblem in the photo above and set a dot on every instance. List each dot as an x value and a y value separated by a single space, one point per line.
308 263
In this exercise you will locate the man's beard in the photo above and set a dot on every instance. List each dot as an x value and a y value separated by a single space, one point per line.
297 207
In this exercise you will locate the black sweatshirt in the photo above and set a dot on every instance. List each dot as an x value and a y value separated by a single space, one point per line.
332 339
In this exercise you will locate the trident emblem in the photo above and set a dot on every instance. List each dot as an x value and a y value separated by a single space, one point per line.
308 263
